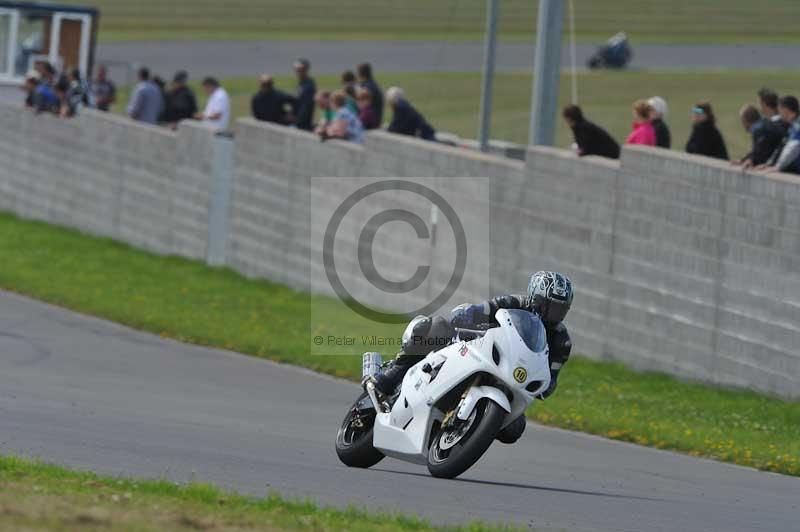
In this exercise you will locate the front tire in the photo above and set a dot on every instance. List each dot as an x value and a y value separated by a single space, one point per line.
353 443
453 460
513 431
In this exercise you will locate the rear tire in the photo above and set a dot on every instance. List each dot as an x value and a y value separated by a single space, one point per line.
449 463
354 444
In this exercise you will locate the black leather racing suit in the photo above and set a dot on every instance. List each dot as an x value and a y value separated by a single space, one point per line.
435 333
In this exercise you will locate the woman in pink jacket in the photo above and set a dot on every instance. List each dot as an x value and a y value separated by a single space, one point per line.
643 132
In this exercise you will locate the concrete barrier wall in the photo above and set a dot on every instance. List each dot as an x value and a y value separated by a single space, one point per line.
681 264
107 176
712 256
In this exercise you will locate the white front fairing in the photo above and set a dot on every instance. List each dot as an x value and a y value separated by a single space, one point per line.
404 432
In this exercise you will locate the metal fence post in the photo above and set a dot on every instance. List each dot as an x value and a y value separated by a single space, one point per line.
219 208
546 73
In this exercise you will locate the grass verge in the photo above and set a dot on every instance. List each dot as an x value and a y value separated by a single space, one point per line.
734 21
188 301
36 496
450 100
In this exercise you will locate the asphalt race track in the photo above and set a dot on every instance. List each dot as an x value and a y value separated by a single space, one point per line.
226 59
93 395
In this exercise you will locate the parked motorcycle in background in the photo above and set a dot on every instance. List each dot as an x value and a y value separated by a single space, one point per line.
451 405
616 53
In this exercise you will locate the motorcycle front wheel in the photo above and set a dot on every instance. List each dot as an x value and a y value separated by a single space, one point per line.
456 448
354 439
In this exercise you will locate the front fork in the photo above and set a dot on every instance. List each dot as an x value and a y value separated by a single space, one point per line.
373 395
452 414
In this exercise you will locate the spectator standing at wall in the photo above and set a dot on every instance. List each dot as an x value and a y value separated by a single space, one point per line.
657 116
365 79
47 73
270 104
643 132
146 103
304 101
104 92
78 89
218 107
323 101
789 159
181 101
768 101
41 98
162 87
67 104
366 113
705 138
405 119
349 88
590 138
767 137
345 124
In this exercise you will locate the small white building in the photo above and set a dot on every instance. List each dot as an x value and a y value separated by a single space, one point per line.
32 31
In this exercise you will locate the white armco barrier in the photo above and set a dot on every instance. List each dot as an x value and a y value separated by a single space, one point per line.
680 263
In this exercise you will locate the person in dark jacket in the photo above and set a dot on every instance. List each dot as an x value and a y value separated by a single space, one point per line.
270 104
181 103
405 119
590 138
304 101
658 112
787 158
767 136
706 138
365 79
768 101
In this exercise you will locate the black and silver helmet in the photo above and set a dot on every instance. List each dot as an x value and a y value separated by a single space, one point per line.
550 295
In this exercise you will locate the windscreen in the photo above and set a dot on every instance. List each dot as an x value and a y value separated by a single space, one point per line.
530 328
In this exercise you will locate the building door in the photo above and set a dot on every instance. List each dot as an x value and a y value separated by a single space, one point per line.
69 41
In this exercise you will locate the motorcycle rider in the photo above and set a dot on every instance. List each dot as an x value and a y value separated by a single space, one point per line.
549 296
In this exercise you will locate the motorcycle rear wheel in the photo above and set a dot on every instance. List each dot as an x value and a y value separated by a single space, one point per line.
470 446
354 444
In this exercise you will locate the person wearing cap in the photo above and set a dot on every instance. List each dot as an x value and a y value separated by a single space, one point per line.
657 115
270 104
706 138
181 101
406 120
304 100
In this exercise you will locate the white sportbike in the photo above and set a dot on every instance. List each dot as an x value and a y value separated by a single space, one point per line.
453 404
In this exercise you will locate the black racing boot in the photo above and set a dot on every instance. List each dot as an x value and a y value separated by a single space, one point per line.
553 384
388 381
